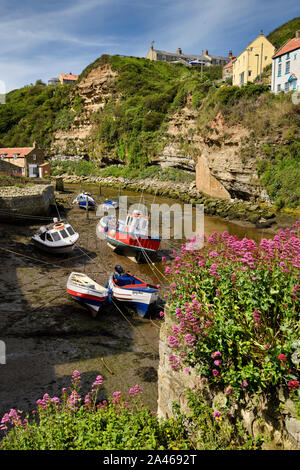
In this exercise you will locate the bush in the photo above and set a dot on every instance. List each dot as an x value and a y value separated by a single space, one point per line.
237 304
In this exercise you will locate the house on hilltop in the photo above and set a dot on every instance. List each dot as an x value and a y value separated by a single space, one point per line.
228 68
286 66
68 78
251 62
186 59
29 160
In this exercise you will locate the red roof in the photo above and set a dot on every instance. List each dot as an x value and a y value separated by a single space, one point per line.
21 151
230 64
69 76
291 45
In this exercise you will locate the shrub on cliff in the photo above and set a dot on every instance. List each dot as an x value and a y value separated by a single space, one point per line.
237 306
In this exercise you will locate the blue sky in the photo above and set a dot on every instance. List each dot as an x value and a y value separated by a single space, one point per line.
40 40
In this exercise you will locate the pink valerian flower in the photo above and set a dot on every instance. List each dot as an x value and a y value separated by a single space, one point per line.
215 372
76 379
218 362
136 390
216 354
117 397
173 342
244 385
228 390
189 339
174 362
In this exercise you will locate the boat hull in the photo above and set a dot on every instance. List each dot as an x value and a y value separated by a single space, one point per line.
87 296
140 298
134 242
65 249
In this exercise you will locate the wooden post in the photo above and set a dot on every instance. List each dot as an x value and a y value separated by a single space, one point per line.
99 189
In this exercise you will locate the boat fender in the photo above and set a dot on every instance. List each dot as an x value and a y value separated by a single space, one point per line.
58 226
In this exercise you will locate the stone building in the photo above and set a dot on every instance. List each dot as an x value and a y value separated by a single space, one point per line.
27 159
187 59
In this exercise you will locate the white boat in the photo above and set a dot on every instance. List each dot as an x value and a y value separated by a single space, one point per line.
86 291
85 200
58 237
125 287
107 205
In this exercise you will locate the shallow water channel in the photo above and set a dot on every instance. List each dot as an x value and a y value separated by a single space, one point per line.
47 335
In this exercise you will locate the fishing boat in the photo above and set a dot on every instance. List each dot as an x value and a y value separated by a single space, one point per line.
131 233
86 291
107 205
84 200
127 288
58 237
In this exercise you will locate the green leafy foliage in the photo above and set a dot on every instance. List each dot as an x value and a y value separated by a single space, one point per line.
281 35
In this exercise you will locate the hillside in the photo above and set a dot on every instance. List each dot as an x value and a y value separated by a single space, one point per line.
283 33
134 112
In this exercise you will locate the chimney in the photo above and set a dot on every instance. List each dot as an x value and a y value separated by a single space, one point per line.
261 32
179 51
297 35
230 54
205 52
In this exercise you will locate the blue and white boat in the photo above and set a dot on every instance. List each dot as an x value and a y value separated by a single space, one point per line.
107 205
127 288
85 200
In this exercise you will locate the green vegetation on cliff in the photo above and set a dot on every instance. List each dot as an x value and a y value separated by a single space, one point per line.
284 33
33 113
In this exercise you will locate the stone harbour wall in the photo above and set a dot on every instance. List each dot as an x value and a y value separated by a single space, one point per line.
28 200
274 418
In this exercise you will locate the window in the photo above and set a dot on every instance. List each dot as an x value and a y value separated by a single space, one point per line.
286 86
34 157
266 57
56 236
278 87
288 56
279 70
279 60
287 67
249 73
49 238
63 233
295 56
70 230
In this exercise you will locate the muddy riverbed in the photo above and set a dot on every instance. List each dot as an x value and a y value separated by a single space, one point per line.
48 335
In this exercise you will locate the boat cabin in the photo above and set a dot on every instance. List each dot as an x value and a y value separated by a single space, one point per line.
137 223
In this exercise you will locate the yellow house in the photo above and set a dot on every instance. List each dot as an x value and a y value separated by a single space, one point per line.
252 61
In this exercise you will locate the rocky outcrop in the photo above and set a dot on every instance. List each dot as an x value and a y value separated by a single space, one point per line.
275 419
93 92
28 200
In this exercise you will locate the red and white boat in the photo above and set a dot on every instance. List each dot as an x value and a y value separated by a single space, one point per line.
86 291
131 233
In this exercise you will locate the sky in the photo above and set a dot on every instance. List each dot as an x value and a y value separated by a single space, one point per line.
40 40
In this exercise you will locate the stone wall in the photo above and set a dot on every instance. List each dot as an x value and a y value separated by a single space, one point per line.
274 418
27 200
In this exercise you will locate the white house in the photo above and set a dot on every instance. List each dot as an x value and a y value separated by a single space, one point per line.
286 66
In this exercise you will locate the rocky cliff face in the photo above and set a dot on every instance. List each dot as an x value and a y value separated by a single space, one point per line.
216 155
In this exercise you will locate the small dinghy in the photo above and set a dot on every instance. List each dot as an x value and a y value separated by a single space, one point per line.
125 287
107 205
57 238
85 201
86 291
